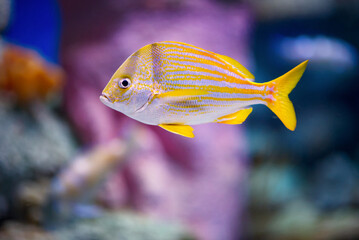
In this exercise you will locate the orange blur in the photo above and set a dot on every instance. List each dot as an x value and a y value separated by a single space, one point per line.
26 75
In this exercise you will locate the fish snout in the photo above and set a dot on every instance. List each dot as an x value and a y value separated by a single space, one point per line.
106 98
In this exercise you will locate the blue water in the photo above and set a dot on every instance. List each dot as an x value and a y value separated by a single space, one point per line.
35 24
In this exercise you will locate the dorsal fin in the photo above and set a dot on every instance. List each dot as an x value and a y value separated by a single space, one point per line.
248 75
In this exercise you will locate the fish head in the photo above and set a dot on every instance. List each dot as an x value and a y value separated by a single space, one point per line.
130 87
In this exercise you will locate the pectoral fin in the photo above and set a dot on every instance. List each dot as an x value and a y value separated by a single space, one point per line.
183 130
235 118
240 67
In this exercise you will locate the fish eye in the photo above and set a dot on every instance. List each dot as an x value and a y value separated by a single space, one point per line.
124 83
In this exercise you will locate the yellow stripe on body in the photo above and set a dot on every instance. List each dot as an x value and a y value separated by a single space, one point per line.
168 46
181 68
171 62
216 89
224 60
217 99
245 88
185 55
225 77
186 48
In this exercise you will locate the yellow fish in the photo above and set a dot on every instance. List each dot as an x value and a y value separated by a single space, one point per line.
175 85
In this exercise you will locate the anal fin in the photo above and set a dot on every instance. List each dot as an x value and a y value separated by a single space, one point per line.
235 118
183 130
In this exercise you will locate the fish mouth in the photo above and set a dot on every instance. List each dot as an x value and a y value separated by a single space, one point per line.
105 98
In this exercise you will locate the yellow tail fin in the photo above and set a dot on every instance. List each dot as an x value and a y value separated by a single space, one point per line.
280 88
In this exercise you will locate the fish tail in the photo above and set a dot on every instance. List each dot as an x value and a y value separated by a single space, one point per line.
279 90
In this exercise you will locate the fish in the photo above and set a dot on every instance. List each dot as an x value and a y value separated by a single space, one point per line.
176 85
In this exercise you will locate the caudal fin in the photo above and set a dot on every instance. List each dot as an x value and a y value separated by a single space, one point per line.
280 88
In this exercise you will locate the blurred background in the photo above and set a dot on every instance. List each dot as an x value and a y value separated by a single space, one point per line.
71 168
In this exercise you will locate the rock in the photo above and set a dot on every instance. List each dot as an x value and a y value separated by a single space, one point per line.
298 220
113 226
21 231
274 185
30 200
75 186
110 226
34 143
335 182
